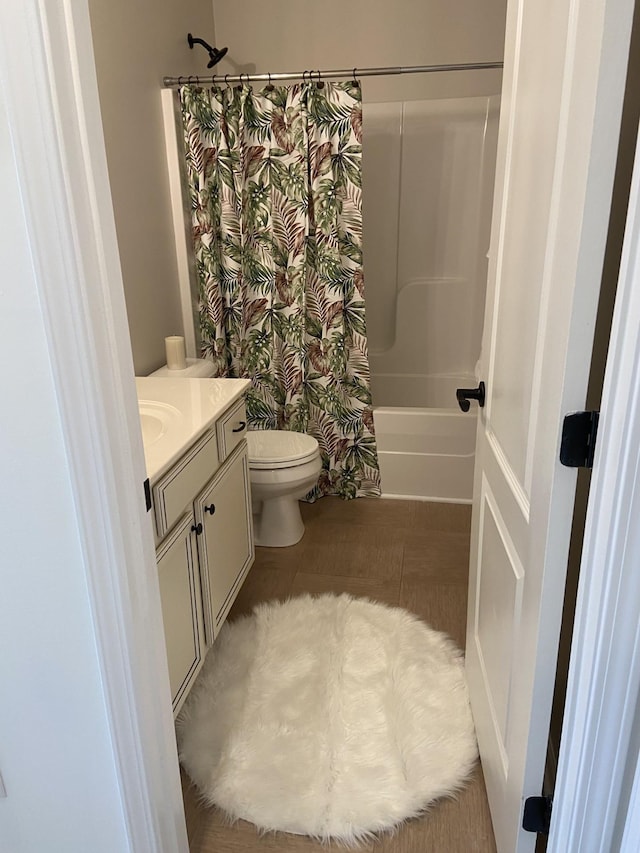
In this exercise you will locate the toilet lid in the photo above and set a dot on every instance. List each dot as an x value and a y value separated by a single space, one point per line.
269 447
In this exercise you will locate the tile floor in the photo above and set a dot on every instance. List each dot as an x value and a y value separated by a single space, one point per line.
405 553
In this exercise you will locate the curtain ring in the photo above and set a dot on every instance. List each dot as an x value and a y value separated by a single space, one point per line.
269 86
356 82
319 84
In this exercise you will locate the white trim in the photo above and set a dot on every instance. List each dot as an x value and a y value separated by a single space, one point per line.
604 677
437 500
631 837
515 486
181 219
53 111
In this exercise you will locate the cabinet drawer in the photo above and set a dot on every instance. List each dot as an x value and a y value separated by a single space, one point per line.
176 489
231 429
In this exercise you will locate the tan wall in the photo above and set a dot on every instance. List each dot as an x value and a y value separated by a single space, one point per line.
136 44
293 35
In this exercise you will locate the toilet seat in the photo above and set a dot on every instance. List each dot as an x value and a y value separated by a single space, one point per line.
279 448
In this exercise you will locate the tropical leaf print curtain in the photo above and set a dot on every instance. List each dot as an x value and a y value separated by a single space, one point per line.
276 196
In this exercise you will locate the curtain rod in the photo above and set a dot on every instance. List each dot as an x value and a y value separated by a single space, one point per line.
170 82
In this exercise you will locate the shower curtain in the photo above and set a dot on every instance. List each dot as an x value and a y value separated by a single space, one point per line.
276 190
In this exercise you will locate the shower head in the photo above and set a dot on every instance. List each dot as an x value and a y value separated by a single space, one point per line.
215 55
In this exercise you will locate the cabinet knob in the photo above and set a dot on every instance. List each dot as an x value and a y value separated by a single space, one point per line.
211 508
197 528
240 427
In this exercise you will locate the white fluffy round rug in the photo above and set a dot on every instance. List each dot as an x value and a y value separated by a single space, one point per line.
328 716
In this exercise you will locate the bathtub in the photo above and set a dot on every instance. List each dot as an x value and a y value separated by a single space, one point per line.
427 453
428 176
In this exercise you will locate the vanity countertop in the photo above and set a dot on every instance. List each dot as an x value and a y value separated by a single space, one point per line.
175 412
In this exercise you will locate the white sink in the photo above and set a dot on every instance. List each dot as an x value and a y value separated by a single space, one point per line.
156 420
152 428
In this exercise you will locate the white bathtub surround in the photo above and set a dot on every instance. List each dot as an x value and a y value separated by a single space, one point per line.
428 173
428 177
332 717
426 453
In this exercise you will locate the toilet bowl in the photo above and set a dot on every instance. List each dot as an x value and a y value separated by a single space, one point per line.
283 468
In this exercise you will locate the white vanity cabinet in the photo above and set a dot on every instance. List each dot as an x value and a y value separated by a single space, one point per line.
204 541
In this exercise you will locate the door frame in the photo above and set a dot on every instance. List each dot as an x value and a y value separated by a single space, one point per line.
52 101
49 91
598 751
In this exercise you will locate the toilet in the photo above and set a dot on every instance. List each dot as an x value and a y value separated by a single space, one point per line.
283 467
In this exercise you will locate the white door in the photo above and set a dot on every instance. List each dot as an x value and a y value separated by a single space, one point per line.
563 83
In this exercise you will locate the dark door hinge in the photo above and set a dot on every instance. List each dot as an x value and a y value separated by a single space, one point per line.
537 814
147 494
578 444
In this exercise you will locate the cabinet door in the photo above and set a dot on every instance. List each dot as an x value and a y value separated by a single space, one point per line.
226 545
181 608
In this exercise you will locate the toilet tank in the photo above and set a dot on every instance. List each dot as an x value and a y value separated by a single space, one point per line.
197 368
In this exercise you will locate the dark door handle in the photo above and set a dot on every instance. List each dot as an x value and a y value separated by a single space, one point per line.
464 395
240 427
211 508
197 528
